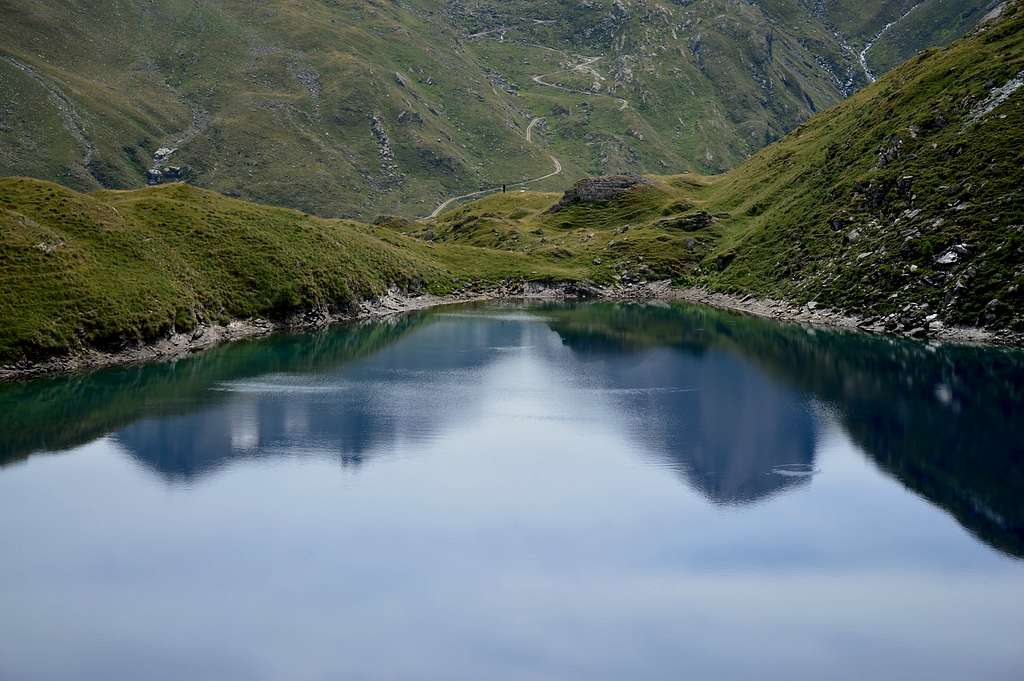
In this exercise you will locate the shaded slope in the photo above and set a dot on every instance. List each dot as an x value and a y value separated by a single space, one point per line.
908 194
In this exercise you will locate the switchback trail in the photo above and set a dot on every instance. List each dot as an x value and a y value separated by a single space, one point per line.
583 67
490 190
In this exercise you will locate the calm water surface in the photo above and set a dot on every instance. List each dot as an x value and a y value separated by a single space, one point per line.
521 492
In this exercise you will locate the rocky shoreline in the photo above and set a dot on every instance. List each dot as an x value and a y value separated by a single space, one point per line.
813 315
206 336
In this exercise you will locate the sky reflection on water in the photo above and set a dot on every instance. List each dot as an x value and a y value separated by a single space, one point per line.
563 492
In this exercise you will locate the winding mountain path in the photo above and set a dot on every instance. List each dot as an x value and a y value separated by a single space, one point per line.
491 190
529 129
583 67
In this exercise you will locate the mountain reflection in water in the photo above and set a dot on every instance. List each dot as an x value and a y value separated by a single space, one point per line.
732 404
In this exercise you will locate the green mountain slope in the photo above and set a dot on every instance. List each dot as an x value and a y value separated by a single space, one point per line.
355 108
903 204
904 201
115 268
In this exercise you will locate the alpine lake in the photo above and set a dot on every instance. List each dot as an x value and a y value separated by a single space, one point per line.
521 491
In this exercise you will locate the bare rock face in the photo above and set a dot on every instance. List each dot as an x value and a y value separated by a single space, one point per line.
597 189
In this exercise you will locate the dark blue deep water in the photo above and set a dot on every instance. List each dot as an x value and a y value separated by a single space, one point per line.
504 492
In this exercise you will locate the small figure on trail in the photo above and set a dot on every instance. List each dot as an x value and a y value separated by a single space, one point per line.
502 189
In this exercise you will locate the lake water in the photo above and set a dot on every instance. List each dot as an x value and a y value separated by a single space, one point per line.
521 492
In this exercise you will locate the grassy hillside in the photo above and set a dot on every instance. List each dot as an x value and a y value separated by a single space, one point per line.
908 194
117 267
893 31
337 108
359 108
902 202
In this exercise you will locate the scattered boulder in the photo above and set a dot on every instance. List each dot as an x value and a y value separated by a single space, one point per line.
991 313
723 260
168 174
889 152
904 185
873 195
838 222
952 256
598 189
689 223
410 118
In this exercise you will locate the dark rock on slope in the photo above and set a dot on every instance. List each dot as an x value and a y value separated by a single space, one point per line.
597 189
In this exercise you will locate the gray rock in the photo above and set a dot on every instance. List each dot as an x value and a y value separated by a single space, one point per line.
597 189
168 174
889 152
689 223
410 118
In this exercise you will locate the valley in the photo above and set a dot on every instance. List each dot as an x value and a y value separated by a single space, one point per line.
356 109
531 339
899 210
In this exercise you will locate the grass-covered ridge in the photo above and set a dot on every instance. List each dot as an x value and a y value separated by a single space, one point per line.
99 270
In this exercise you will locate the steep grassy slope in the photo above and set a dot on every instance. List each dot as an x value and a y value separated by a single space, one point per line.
901 203
118 267
908 195
357 108
342 108
887 32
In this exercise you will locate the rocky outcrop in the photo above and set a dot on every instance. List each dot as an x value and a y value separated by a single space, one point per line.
167 174
410 118
690 223
599 189
390 173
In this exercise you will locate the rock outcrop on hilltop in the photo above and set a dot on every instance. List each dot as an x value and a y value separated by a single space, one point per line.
597 189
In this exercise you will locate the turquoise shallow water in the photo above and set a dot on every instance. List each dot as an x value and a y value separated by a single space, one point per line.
521 492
